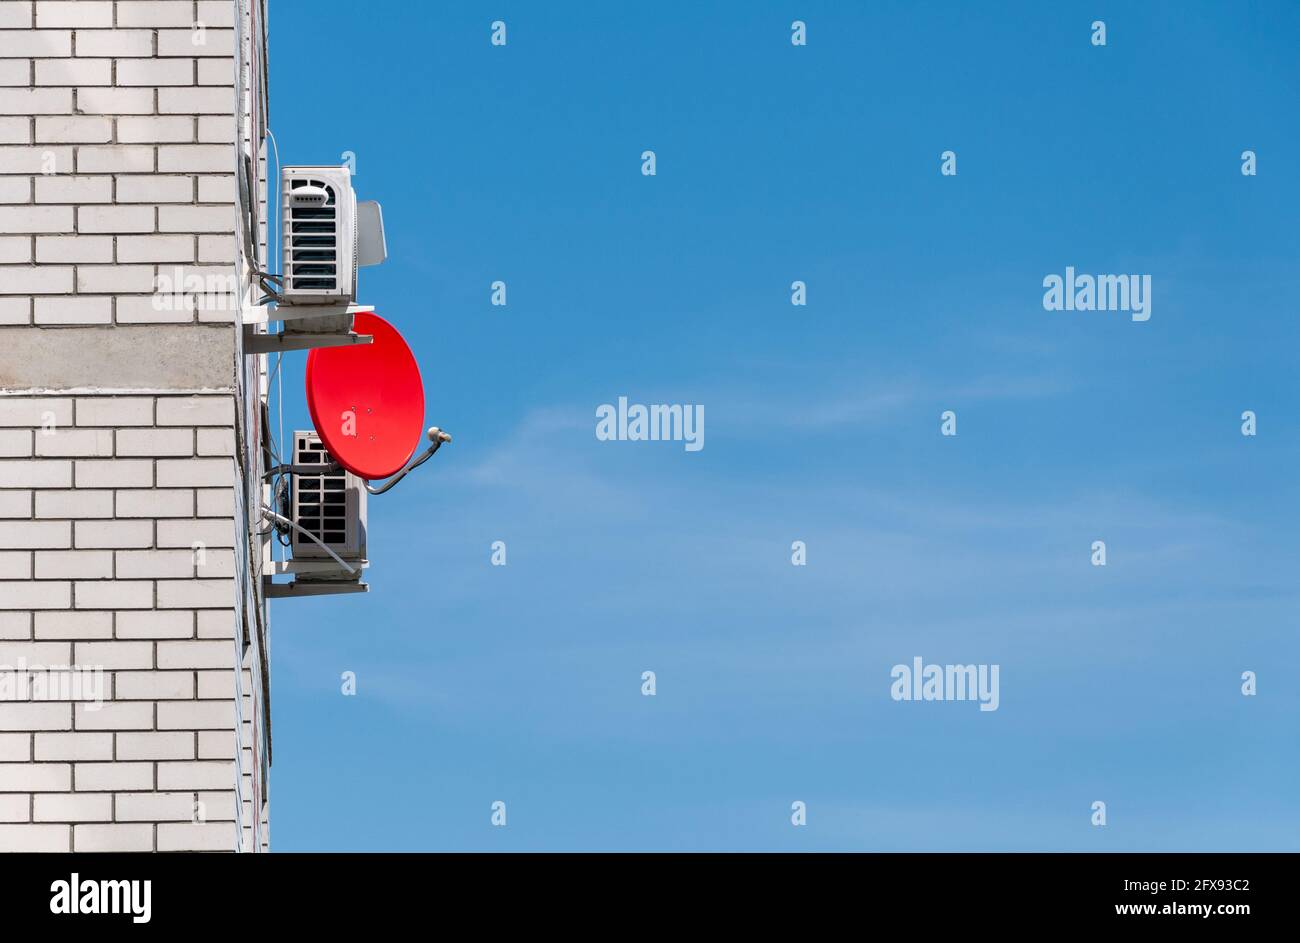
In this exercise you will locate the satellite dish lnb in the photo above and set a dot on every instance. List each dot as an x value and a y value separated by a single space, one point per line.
367 400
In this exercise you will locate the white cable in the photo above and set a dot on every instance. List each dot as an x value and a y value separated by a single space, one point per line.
267 512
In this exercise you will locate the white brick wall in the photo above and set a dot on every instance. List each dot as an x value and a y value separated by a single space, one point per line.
104 574
117 149
118 196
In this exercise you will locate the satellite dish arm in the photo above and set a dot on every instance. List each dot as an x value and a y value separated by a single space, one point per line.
437 437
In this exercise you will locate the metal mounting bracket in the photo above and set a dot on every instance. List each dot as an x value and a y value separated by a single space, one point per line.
262 314
298 588
274 343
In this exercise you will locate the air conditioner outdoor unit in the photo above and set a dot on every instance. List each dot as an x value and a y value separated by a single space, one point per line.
331 506
319 218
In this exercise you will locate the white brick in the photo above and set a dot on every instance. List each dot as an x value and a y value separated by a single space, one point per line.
16 747
35 777
33 535
155 564
216 624
216 441
43 838
15 565
187 42
154 13
117 473
28 595
155 72
35 44
15 249
51 14
196 411
196 219
216 685
154 309
32 411
69 129
154 685
165 745
216 745
156 806
59 188
15 807
114 42
217 249
74 442
15 310
15 72
36 473
74 625
216 13
114 656
15 626
196 158
216 502
114 101
15 189
73 808
36 101
114 219
214 654
155 129
114 837
115 411
18 130
129 715
74 746
114 594
155 442
155 503
217 129
111 777
155 249
207 774
74 564
114 278
36 715
195 594
183 533
15 504
15 443
116 158
35 653
57 72
74 504
34 219
192 101
74 249
17 14
155 189
155 624
34 160
43 280
112 534
194 472
216 71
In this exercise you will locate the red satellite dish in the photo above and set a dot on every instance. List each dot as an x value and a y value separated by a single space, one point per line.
367 401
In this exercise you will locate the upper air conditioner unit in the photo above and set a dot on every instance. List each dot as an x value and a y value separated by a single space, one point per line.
329 505
326 235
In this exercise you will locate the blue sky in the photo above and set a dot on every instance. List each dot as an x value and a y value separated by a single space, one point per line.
775 163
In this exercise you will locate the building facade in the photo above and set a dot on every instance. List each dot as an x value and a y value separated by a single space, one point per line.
133 629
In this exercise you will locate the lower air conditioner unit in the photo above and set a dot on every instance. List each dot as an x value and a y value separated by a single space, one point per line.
331 506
